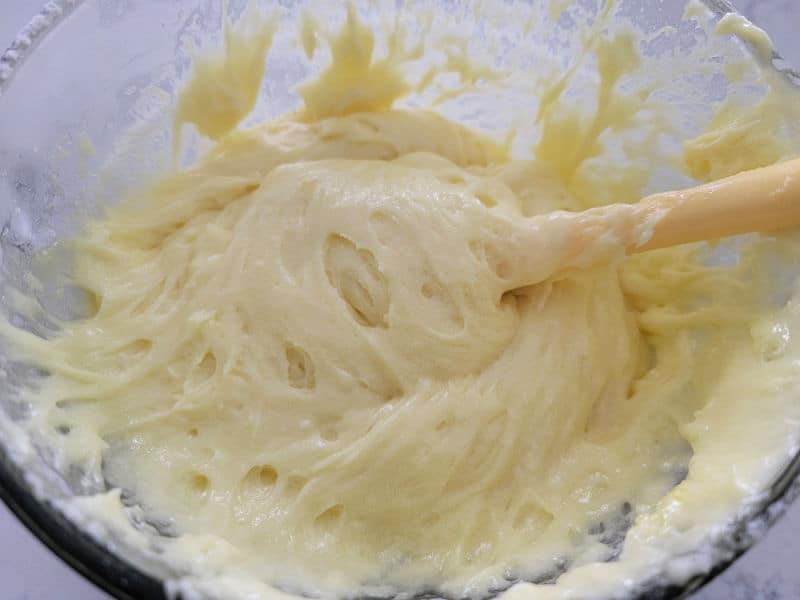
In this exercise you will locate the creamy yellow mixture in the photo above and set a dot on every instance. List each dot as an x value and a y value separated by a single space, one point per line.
328 357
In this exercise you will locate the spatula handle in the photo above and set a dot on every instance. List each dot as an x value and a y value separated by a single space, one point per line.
762 200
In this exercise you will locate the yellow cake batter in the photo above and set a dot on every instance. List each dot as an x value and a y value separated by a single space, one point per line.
314 358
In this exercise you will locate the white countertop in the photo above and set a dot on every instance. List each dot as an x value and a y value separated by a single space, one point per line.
770 571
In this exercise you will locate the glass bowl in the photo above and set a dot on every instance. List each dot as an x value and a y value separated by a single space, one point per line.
77 78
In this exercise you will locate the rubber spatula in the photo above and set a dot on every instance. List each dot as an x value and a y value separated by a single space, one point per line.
761 200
